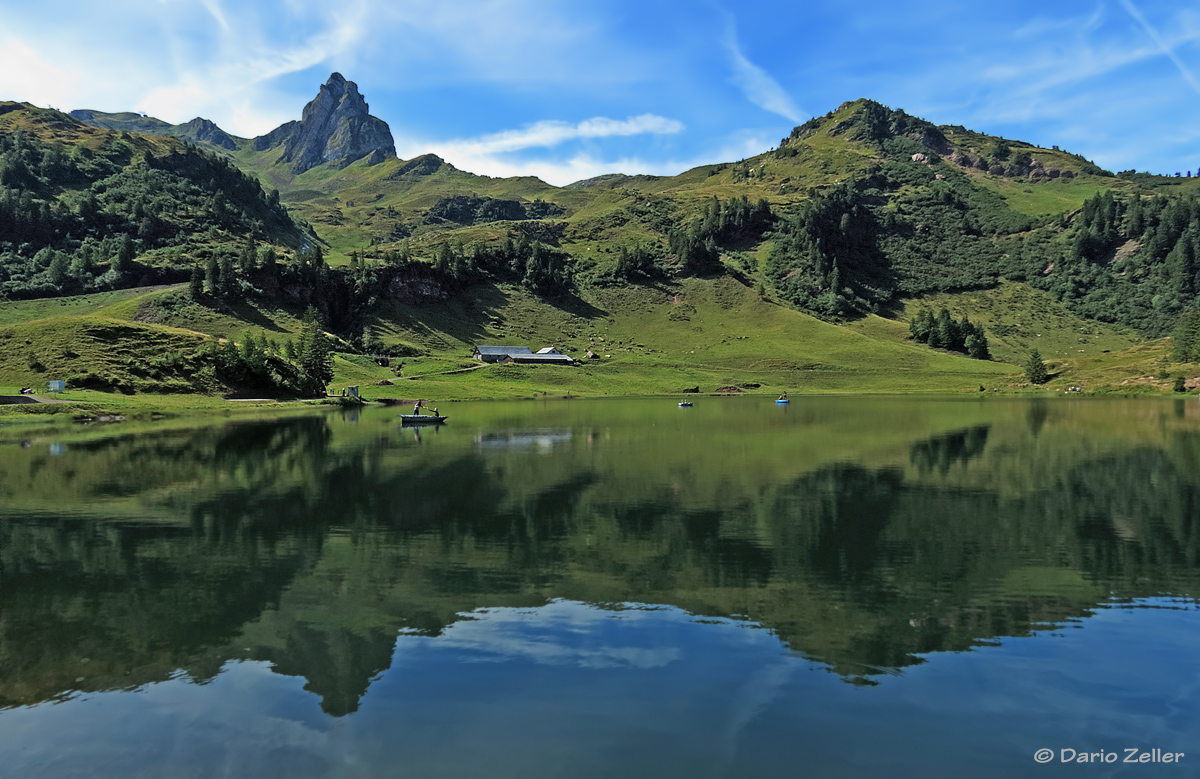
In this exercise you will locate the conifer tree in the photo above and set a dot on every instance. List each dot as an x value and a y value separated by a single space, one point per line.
196 287
316 362
1185 340
1035 369
211 273
226 283
249 255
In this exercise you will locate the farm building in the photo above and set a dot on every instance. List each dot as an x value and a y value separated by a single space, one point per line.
521 355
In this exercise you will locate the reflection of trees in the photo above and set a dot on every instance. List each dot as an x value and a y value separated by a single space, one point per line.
122 605
313 555
940 452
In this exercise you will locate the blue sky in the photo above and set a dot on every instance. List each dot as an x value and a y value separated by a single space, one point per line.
569 90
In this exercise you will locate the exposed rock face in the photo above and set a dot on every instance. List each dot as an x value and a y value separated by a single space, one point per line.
335 127
203 130
276 136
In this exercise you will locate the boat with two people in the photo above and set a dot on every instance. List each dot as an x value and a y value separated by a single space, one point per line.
417 418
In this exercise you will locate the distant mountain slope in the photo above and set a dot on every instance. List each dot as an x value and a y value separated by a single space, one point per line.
197 130
79 206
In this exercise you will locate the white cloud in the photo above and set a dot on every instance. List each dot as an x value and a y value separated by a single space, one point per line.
585 164
27 75
551 133
756 84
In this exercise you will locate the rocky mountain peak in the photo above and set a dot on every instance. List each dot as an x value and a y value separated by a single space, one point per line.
336 126
201 129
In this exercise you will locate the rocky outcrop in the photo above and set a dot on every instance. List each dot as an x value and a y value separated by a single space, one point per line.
276 136
335 127
206 132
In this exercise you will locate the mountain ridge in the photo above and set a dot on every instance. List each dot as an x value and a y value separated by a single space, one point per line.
857 212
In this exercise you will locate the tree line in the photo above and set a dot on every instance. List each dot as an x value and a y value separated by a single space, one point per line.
945 332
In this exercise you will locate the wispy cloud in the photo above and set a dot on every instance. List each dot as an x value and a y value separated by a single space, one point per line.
756 84
214 8
584 164
552 133
1165 47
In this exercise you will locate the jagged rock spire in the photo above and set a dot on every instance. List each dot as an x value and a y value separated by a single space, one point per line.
336 126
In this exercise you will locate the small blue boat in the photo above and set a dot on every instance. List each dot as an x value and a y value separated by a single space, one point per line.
782 400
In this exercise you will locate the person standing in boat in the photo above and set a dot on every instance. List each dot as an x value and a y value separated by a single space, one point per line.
417 408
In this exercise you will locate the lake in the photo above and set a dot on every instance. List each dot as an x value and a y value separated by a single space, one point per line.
840 587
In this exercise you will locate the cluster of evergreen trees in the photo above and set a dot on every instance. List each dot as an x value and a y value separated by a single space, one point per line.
826 258
473 209
72 219
733 223
945 332
1150 281
301 366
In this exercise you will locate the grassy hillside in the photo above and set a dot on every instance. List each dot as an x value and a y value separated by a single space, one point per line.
798 268
1016 318
92 350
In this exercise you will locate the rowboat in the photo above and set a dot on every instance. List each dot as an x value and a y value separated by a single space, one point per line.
782 401
686 404
421 419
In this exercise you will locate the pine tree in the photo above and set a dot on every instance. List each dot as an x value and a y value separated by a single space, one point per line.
226 283
1185 340
922 326
122 263
211 273
197 284
249 256
316 362
943 332
1035 369
977 344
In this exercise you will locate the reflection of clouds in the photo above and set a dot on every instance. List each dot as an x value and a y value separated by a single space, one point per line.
542 440
226 726
569 689
561 633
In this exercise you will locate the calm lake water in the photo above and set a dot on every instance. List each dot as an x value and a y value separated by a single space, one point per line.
613 588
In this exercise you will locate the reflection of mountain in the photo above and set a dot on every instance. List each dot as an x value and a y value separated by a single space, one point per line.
282 543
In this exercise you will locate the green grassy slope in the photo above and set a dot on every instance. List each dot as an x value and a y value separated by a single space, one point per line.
674 333
1016 318
131 355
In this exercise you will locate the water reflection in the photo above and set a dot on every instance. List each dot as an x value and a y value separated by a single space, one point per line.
309 545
